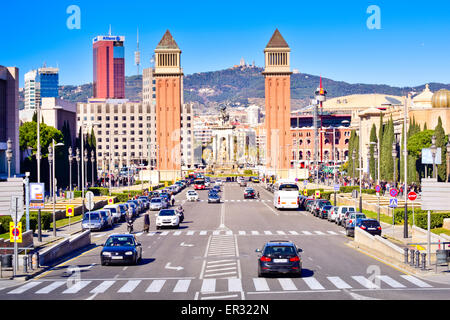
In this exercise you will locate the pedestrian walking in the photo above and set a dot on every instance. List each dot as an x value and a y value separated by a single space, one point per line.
146 223
172 200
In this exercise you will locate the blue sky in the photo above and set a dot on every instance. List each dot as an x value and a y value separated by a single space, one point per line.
328 38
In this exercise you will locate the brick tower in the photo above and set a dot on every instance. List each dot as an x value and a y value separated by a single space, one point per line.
168 75
277 76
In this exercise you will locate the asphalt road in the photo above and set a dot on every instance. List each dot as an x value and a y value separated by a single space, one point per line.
212 256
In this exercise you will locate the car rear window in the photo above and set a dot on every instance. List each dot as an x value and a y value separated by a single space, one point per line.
370 223
279 250
288 187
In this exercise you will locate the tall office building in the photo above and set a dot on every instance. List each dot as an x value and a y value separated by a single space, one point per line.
40 83
9 119
109 67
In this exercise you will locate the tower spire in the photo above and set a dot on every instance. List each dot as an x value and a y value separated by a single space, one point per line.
137 54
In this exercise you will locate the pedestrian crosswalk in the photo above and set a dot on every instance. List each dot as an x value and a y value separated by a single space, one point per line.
229 233
213 285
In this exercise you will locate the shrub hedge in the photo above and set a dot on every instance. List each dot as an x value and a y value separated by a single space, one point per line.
46 219
421 218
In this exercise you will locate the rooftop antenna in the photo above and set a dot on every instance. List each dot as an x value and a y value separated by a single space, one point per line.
137 54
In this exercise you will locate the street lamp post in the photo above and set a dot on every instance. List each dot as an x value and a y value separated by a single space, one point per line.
448 159
353 158
52 161
92 166
77 158
50 171
70 172
86 158
9 155
433 153
375 155
394 158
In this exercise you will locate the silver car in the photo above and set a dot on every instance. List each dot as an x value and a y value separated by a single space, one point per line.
156 204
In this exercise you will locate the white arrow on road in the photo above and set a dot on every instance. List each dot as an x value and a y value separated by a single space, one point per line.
186 244
173 268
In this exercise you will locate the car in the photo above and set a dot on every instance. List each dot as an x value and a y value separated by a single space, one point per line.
115 211
121 248
254 179
123 211
134 207
341 212
156 204
279 256
308 203
107 217
146 201
350 225
218 182
216 188
192 195
92 221
167 218
249 193
242 183
213 197
319 204
303 203
350 218
325 211
371 226
332 214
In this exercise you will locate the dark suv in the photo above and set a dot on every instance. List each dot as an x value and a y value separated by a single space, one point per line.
279 256
319 205
371 226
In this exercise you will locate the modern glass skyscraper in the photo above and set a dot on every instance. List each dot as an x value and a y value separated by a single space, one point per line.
109 67
40 83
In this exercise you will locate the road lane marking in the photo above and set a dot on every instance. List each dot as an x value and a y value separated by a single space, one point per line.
255 233
202 233
220 269
177 233
182 286
295 233
129 286
415 281
242 233
220 297
219 261
268 232
220 274
51 287
307 233
156 286
332 232
287 284
229 233
102 287
208 285
234 285
165 233
388 280
190 233
319 233
77 287
25 287
313 284
281 232
339 283
365 282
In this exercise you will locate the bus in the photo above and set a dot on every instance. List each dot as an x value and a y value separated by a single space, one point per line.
199 184
286 195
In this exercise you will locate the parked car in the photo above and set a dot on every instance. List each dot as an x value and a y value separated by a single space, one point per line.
332 214
350 217
368 223
134 207
92 221
308 203
192 195
325 211
320 204
123 210
341 213
115 211
107 217
146 201
167 218
121 248
156 204
279 256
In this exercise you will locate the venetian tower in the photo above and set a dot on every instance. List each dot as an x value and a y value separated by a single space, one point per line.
277 76
169 76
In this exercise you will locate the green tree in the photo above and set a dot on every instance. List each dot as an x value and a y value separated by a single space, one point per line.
441 141
387 163
28 136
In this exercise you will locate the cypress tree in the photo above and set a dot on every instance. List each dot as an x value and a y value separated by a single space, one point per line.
440 143
373 138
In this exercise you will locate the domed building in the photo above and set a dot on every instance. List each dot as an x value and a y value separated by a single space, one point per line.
441 99
423 99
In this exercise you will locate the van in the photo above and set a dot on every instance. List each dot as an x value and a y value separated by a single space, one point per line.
341 213
115 211
286 195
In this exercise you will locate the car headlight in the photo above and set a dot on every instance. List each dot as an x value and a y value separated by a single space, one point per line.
129 253
108 254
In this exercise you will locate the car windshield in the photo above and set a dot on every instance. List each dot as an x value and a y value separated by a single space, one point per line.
351 209
156 200
279 250
327 207
113 210
193 193
119 242
167 213
92 216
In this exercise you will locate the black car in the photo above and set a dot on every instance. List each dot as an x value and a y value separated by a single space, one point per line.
249 193
371 226
216 188
324 211
279 256
121 248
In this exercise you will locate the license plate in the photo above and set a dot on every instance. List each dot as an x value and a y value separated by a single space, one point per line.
371 228
117 258
279 260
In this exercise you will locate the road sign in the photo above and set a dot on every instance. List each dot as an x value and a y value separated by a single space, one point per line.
393 192
393 203
305 192
378 188
317 194
337 187
412 196
110 200
16 208
70 210
90 200
15 232
305 182
37 191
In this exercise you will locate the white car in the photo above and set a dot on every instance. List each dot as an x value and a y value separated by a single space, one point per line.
167 218
156 204
341 213
219 182
192 195
333 214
